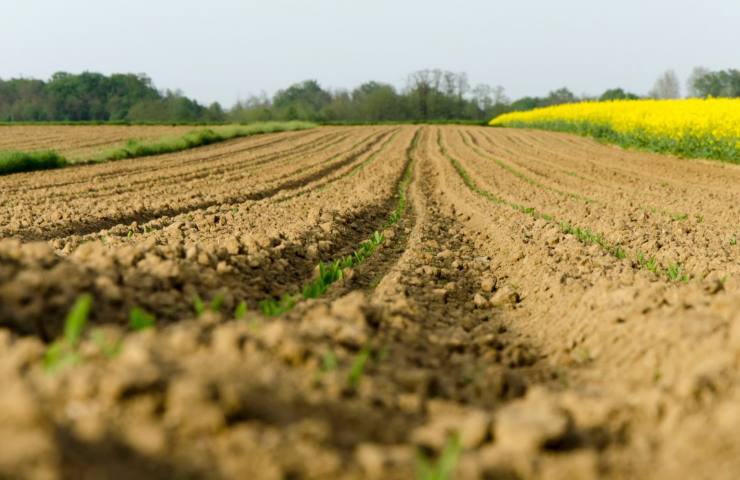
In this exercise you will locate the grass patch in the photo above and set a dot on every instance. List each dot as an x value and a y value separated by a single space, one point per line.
16 162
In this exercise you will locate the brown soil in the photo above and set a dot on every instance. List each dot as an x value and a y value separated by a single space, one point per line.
546 356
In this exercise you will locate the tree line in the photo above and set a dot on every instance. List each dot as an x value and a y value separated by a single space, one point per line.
94 97
428 96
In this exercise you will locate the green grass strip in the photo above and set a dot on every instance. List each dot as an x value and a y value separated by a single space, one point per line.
584 235
16 162
197 138
331 272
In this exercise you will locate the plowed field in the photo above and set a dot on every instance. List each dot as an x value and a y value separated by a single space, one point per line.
544 307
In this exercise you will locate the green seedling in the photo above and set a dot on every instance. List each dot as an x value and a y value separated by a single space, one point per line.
673 271
273 308
329 362
328 274
358 368
733 240
680 217
130 234
140 320
198 305
109 349
217 302
241 311
652 265
63 352
444 467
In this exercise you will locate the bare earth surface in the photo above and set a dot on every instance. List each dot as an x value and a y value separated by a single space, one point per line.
559 308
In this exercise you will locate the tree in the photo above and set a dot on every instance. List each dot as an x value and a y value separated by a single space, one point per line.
694 80
723 83
214 113
561 95
374 101
666 86
302 101
617 94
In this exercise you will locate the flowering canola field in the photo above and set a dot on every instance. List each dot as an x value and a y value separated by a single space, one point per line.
704 128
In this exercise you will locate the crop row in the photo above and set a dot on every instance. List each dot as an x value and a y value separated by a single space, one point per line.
672 271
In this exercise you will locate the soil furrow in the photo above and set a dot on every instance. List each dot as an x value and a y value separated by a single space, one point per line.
86 227
477 329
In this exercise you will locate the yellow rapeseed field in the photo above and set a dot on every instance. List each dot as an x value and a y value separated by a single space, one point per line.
690 127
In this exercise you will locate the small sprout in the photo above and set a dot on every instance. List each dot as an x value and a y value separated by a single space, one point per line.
378 238
620 253
674 273
733 240
444 468
641 260
141 320
273 308
582 355
681 217
217 302
241 311
198 305
384 353
63 352
130 234
77 319
109 349
329 362
358 367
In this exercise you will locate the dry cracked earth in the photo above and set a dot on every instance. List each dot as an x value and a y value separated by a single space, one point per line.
546 307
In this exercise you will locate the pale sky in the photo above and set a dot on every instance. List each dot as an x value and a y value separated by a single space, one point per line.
222 50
